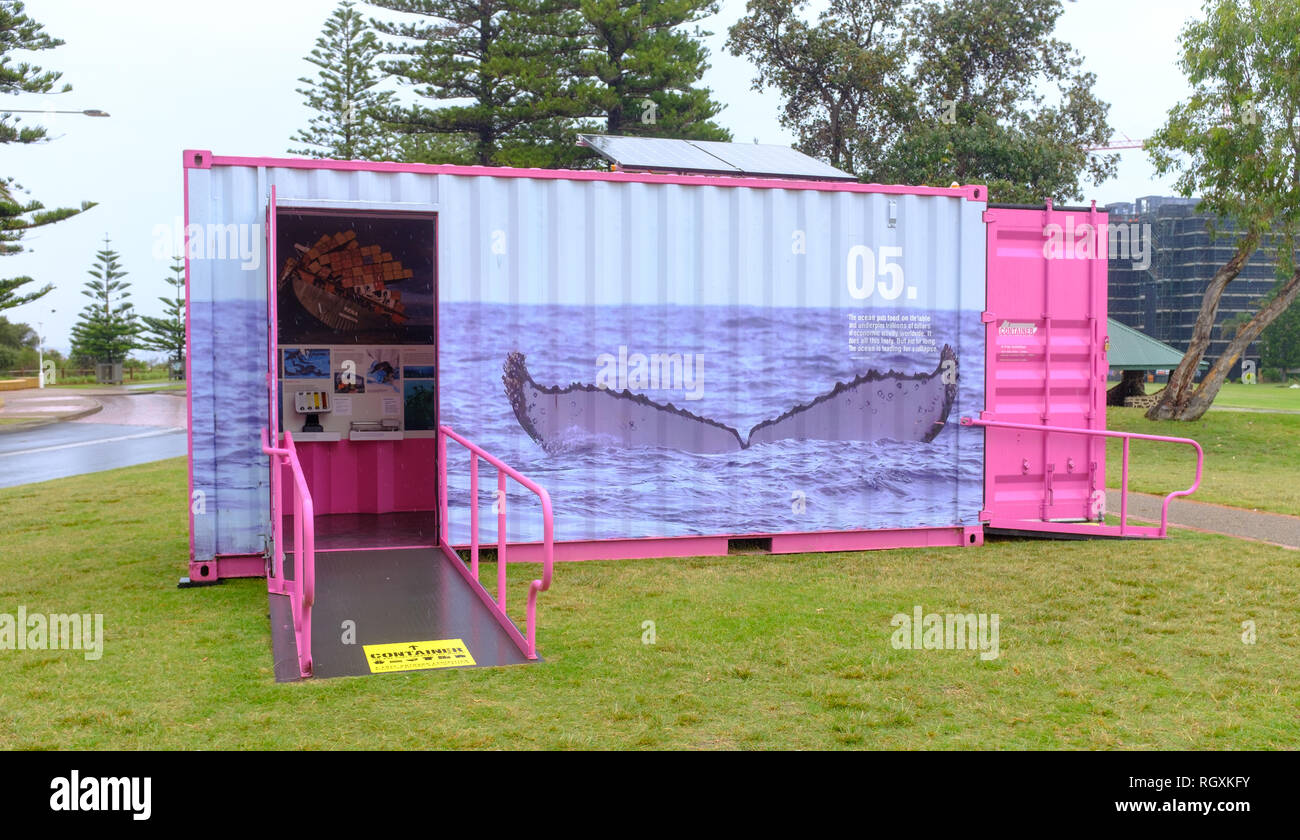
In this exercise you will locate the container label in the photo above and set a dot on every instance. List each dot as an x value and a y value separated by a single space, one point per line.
417 656
1017 328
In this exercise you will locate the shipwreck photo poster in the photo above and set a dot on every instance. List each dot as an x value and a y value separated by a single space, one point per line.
355 278
703 380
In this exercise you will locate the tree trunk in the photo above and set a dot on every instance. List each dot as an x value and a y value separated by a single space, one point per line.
1173 401
1203 396
837 136
614 117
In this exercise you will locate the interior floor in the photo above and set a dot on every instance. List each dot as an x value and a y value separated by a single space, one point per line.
342 531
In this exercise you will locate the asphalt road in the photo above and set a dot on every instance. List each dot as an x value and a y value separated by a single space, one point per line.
128 430
64 449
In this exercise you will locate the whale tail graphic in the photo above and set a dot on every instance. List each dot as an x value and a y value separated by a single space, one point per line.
873 406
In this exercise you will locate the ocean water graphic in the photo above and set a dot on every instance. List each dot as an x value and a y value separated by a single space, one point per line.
229 411
754 364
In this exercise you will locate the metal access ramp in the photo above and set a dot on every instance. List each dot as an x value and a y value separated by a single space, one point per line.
373 610
1094 526
392 610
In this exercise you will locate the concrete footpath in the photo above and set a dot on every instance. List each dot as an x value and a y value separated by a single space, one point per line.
1273 528
33 407
137 404
66 432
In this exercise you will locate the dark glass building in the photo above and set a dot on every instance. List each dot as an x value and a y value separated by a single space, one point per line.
1164 298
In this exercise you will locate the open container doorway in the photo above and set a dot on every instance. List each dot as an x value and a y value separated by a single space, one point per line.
353 311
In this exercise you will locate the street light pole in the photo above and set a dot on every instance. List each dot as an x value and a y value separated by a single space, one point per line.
40 356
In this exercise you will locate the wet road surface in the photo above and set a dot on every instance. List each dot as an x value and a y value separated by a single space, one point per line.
128 430
139 410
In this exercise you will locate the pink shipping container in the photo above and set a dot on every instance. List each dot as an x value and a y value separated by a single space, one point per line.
670 364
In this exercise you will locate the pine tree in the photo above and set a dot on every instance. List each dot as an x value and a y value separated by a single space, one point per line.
344 94
168 333
108 327
495 70
20 33
433 148
646 65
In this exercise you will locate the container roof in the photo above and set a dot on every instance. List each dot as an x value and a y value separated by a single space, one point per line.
205 159
662 154
1134 350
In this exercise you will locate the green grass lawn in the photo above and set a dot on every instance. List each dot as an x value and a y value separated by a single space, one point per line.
1252 460
1102 646
1266 397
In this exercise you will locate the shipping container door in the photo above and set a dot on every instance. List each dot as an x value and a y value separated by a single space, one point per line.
273 358
1046 365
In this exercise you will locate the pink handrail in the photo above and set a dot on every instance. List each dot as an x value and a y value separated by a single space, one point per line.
548 525
302 593
1127 436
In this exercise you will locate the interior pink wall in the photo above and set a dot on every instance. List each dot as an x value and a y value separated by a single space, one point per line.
371 476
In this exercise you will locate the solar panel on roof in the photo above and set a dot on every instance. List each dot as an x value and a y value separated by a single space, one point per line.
764 159
660 154
656 153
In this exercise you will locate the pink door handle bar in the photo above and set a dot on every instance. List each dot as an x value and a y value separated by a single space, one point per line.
1127 436
302 589
548 527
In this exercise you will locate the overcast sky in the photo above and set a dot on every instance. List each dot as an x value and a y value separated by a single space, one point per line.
223 76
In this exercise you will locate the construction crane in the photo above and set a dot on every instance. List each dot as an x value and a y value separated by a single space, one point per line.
1122 141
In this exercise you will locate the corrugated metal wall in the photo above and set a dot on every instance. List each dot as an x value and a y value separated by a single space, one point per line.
228 352
532 243
515 246
1046 364
598 241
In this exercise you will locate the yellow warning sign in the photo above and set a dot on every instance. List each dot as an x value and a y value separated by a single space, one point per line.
416 656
